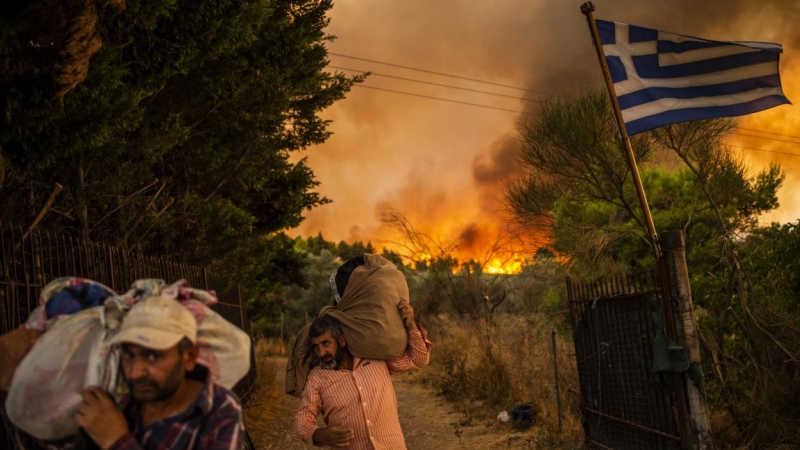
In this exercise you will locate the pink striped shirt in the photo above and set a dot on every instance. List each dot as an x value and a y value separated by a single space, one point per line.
362 400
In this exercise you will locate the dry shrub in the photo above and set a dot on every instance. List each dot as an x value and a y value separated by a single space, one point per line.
506 362
265 406
271 347
260 412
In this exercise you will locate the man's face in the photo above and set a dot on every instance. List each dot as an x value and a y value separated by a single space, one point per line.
154 375
328 350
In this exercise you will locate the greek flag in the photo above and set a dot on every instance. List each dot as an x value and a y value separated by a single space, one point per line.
662 78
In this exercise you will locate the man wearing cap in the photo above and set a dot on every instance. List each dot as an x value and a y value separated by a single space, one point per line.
172 404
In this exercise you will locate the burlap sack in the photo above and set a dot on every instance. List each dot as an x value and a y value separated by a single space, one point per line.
370 320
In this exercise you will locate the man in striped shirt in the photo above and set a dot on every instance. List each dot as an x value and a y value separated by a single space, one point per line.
173 402
354 395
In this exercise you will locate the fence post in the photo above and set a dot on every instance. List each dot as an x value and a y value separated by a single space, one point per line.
677 274
112 273
241 307
558 387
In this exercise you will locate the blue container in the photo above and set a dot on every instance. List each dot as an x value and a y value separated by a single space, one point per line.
522 416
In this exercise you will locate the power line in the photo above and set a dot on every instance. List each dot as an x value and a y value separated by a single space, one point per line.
765 150
436 84
440 73
521 112
438 98
766 138
769 132
509 96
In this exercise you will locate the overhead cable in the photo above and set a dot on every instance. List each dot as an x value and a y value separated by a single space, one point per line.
769 132
436 84
440 73
764 150
766 138
518 98
438 98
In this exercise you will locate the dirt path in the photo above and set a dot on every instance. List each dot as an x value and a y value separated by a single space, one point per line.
428 421
431 422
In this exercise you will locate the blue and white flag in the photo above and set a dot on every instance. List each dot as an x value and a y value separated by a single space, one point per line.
662 78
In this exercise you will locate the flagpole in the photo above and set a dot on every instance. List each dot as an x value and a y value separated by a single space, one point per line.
588 10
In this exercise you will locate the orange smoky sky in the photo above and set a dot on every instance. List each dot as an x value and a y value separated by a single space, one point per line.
444 165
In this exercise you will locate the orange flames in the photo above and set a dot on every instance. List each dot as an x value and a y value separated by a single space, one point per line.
511 266
495 252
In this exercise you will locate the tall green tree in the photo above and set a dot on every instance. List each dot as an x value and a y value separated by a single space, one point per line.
179 140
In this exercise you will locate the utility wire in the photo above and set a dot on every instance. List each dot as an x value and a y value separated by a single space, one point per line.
764 150
437 98
521 112
767 138
436 84
769 132
518 98
440 73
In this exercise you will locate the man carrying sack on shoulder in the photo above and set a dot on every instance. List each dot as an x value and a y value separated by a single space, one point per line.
355 393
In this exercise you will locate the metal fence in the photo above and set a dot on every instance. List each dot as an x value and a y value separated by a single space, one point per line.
30 261
613 328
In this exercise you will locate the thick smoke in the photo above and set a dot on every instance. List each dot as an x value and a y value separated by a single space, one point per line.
444 165
497 165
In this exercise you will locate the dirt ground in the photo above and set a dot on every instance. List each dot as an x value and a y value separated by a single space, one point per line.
428 421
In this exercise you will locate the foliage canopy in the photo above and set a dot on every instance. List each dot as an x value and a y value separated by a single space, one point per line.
577 187
178 140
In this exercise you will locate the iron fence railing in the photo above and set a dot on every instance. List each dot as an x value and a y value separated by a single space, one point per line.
28 261
613 329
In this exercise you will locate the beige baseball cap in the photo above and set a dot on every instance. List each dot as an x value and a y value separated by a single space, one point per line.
157 323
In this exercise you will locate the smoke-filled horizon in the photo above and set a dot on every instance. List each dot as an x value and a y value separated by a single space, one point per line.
444 165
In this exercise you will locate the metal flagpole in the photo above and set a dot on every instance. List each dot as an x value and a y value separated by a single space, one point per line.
588 9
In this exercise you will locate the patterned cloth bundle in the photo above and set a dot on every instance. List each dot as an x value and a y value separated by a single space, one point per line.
79 317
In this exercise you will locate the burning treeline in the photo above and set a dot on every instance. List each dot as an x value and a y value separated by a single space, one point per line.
445 167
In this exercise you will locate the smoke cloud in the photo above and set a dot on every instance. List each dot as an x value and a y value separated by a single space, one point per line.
443 164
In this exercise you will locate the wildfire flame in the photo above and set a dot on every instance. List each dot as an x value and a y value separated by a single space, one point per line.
511 266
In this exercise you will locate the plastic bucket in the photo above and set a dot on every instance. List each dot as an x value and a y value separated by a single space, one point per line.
522 416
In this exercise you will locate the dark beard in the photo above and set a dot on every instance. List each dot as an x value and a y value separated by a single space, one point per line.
334 363
159 392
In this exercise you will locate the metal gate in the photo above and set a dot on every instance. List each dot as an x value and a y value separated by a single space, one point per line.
613 328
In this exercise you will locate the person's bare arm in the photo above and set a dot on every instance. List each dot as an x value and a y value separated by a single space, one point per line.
416 355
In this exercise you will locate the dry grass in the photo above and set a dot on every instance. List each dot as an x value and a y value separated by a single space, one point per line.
266 348
482 368
504 363
264 406
256 413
